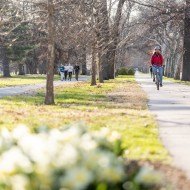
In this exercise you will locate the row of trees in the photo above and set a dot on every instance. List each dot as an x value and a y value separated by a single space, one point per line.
41 34
164 23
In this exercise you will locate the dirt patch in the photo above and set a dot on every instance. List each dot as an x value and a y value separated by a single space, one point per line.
125 97
175 176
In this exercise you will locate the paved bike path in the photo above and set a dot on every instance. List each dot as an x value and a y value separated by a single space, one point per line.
171 106
16 90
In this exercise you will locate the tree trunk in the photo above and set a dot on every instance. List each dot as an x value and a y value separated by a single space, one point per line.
177 72
34 63
42 67
169 68
100 70
5 61
93 79
186 56
49 98
103 37
114 39
83 59
112 53
178 67
21 69
166 68
172 65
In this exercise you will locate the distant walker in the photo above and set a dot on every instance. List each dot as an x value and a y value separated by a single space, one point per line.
77 71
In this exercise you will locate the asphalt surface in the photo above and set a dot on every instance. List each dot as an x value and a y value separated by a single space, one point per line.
16 90
171 107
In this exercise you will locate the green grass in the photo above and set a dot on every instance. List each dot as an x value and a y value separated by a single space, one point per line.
119 105
16 80
177 81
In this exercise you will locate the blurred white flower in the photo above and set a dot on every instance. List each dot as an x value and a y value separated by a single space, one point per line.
77 178
5 134
87 142
149 176
110 168
104 132
14 159
66 156
35 146
74 155
104 160
71 134
56 135
6 139
111 174
19 132
114 136
19 182
90 159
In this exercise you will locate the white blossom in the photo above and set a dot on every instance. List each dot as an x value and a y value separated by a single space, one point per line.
14 159
77 178
74 155
19 182
148 175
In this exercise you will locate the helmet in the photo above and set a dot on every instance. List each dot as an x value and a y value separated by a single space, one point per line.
157 48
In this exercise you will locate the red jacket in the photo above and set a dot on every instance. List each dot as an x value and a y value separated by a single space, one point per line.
157 59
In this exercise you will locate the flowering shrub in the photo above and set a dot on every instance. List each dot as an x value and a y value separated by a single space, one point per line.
63 159
59 159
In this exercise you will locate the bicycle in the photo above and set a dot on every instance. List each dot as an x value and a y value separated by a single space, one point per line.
157 78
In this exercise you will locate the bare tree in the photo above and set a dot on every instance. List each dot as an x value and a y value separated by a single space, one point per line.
115 39
49 98
186 57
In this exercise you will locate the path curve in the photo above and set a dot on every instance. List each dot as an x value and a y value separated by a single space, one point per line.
171 106
16 90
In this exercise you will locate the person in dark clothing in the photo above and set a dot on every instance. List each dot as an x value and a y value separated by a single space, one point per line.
65 72
151 71
77 70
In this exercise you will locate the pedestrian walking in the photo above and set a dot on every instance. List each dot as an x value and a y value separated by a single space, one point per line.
61 71
77 70
70 71
66 72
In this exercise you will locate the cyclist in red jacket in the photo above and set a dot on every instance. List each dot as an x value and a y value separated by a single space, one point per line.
157 62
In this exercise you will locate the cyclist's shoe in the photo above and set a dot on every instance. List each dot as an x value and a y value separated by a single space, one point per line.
161 85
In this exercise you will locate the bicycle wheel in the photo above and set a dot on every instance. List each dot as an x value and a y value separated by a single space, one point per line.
157 81
158 86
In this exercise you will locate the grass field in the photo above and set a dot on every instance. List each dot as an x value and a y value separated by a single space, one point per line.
119 105
23 80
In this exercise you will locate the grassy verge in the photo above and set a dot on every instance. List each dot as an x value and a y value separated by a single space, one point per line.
23 80
177 81
118 105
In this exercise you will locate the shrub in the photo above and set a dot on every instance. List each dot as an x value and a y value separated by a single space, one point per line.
125 71
70 159
130 71
122 71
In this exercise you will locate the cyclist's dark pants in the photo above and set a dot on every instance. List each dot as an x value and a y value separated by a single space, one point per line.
160 72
